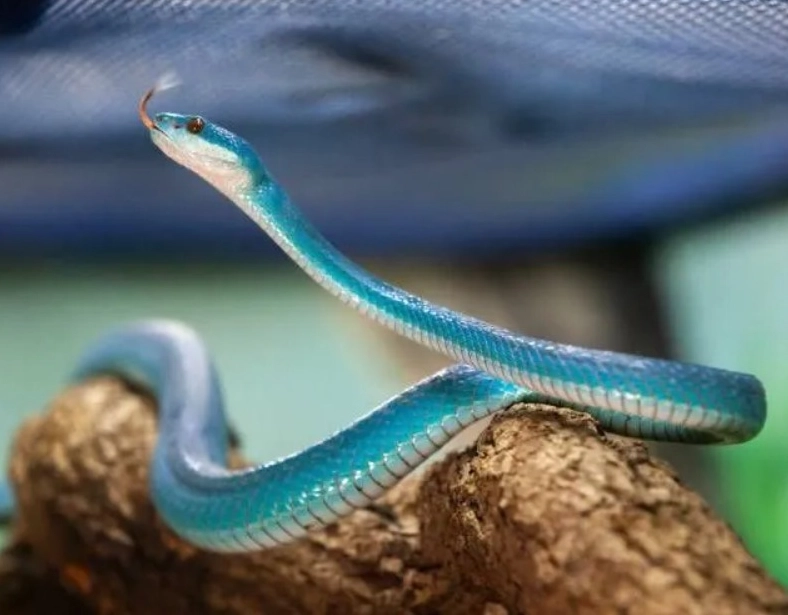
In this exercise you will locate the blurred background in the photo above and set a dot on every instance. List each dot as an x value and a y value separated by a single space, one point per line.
612 174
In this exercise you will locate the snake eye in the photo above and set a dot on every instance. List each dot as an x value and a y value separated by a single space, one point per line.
195 125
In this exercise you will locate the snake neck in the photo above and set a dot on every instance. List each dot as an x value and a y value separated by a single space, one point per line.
463 338
458 336
269 207
623 383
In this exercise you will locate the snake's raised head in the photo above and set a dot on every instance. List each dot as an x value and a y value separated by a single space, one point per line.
217 155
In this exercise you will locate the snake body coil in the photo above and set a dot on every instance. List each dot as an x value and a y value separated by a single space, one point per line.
229 510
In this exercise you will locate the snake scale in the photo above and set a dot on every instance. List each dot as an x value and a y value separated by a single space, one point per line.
226 510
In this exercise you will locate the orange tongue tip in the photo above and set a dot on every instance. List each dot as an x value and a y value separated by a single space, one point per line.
143 109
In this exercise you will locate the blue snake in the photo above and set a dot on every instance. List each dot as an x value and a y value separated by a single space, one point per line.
225 510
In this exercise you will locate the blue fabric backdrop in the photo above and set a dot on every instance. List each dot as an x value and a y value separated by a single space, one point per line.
398 124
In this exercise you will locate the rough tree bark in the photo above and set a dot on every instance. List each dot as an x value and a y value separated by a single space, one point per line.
544 514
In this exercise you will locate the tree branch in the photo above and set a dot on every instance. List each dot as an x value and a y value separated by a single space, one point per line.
544 514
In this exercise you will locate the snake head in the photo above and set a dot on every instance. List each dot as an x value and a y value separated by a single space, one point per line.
214 153
190 136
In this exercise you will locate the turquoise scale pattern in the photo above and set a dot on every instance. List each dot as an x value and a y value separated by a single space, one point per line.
264 506
678 400
276 502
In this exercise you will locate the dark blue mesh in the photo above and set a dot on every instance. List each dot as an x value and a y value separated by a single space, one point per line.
510 121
